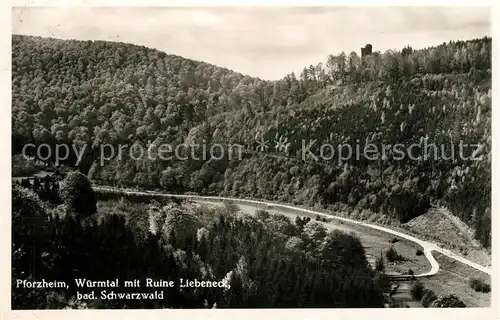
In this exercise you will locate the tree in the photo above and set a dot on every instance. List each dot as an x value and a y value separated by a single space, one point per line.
179 227
315 231
28 216
30 240
379 264
392 255
417 290
78 195
281 223
353 65
336 66
301 222
428 297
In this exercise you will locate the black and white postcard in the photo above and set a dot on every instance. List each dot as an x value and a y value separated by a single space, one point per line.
250 157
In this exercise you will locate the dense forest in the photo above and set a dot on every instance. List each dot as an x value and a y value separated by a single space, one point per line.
265 260
96 92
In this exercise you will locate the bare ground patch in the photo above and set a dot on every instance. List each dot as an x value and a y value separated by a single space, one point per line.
440 226
453 277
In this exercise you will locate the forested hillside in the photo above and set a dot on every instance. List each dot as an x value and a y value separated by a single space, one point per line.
101 92
263 260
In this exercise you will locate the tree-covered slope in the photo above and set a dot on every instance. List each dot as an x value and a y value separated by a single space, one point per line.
262 261
100 92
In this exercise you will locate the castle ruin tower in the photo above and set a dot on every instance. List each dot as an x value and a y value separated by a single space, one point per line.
366 50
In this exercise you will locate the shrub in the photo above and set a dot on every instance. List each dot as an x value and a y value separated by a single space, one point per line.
392 255
486 288
320 218
419 252
428 298
417 290
449 301
479 285
262 215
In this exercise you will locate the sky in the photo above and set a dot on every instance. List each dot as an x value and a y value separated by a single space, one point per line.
263 42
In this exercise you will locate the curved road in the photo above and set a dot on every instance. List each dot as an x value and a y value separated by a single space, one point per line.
427 246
